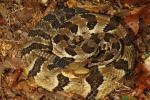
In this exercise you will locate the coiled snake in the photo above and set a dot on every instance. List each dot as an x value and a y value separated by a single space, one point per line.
79 52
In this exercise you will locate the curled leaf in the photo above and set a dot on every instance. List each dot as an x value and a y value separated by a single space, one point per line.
144 80
145 14
132 20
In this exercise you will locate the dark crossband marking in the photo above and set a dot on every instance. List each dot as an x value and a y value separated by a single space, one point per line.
121 64
50 17
39 33
63 81
34 46
60 37
114 22
108 56
63 19
53 20
95 79
70 50
61 16
128 39
116 45
69 16
86 48
37 66
91 20
61 62
95 37
65 15
51 66
71 26
80 11
100 54
108 37
75 11
57 38
69 10
91 24
94 60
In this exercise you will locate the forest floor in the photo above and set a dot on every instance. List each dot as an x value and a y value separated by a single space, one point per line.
19 16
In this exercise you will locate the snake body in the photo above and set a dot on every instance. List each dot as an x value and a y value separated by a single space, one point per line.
78 52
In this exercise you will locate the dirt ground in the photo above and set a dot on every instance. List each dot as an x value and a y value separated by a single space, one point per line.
19 16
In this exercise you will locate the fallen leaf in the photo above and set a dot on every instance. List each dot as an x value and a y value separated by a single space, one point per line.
132 22
24 86
23 15
71 3
145 14
135 2
144 80
2 21
88 5
12 80
51 7
132 17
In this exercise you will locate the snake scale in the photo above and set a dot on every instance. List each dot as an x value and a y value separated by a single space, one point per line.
78 52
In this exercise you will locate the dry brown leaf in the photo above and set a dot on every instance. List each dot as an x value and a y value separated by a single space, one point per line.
71 3
5 47
31 3
87 5
137 2
145 14
12 80
10 43
23 15
2 21
51 7
24 86
3 10
144 80
132 17
132 20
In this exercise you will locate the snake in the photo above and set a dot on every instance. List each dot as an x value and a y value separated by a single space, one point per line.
75 51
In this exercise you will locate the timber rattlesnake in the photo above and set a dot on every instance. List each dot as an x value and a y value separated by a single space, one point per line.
79 52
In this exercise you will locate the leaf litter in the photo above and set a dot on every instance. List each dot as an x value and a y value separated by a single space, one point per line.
19 16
